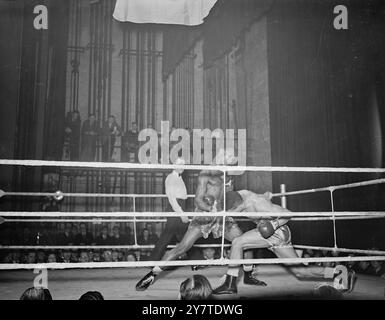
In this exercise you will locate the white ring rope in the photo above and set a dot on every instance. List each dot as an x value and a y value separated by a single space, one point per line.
124 165
91 220
59 214
215 262
151 246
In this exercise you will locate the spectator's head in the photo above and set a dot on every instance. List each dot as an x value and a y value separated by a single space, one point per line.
83 228
196 287
90 255
51 258
327 292
92 117
208 253
145 233
92 295
74 256
134 126
130 256
96 256
83 257
375 264
40 257
15 256
36 294
111 119
115 256
31 257
107 256
137 255
310 252
67 255
116 231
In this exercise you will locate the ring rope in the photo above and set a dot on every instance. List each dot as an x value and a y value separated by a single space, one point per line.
133 195
187 214
91 220
215 262
125 165
95 247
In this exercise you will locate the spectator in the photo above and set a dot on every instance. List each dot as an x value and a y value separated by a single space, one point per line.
153 237
41 257
196 287
130 256
92 295
131 144
36 294
116 239
65 238
15 257
90 255
72 131
110 131
31 257
51 258
115 256
90 131
144 238
83 257
85 238
326 292
74 256
107 256
104 239
363 267
66 257
96 257
376 268
208 253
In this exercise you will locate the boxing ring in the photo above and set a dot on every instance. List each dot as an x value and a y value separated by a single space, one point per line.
270 267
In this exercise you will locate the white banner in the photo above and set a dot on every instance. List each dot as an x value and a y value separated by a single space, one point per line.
182 12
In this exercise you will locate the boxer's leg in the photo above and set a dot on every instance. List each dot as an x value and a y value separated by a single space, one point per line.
193 234
315 272
250 239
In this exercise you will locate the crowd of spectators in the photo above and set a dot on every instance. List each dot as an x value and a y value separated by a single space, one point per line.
375 268
82 234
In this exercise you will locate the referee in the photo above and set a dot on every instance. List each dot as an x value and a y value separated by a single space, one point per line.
176 227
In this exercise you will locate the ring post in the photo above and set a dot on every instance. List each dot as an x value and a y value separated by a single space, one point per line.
135 235
282 188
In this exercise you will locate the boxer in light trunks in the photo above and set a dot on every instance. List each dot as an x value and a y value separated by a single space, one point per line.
274 234
208 198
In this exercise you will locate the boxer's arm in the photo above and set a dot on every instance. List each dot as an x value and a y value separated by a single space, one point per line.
264 205
201 192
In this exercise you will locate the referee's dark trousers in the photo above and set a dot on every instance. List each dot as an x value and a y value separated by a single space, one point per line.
174 229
